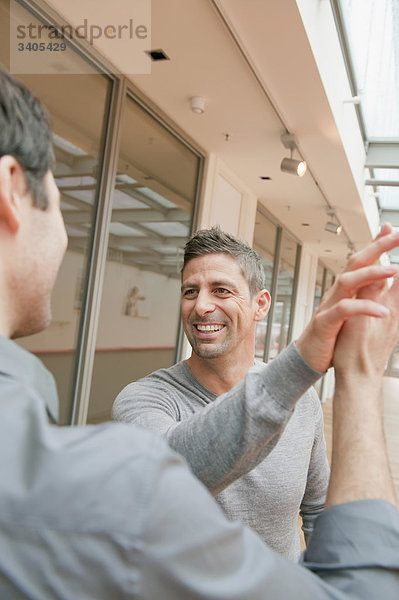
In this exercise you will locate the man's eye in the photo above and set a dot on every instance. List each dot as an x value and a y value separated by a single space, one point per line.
189 293
222 291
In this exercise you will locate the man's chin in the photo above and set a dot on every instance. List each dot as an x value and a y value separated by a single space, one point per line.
209 351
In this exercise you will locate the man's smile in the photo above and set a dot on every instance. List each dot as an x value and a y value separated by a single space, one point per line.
208 327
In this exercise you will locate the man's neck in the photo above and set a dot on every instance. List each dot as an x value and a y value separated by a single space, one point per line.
219 375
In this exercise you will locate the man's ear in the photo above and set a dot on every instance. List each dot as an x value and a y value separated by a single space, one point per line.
12 189
262 300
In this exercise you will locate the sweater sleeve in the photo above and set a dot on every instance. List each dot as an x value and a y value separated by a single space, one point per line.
229 437
318 474
190 551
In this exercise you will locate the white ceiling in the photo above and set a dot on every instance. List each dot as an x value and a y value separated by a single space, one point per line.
253 64
206 60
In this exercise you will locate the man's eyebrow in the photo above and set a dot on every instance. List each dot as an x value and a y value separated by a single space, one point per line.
217 283
187 285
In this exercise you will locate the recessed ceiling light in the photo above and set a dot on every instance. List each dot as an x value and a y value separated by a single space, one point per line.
158 54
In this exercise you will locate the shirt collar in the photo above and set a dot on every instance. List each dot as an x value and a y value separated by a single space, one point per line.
24 366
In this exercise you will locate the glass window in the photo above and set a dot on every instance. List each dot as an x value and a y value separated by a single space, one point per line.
265 244
372 29
153 200
78 105
388 198
324 280
285 291
319 286
278 251
368 31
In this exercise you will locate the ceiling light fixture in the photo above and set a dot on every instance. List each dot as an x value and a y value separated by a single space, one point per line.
333 226
198 104
291 165
295 167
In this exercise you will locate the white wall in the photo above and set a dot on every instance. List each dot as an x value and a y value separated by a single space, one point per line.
226 201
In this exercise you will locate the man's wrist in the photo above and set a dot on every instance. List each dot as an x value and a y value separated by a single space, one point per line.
306 349
361 374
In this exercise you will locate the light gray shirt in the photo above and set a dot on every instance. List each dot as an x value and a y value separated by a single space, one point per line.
109 511
231 442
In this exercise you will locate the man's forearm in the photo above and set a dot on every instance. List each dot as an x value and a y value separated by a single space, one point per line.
360 467
237 431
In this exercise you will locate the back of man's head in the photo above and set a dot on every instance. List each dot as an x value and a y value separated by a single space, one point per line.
25 134
216 241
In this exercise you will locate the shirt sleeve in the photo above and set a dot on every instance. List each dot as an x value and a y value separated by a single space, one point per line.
191 551
229 437
318 474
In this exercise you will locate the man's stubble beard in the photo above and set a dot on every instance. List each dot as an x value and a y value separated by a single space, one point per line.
203 350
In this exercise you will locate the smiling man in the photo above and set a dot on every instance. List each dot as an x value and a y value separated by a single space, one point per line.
226 438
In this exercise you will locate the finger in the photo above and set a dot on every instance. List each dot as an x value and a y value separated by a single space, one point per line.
373 291
349 283
377 290
373 252
388 297
386 228
353 307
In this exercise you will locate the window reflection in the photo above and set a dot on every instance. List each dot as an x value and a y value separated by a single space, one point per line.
78 106
78 130
152 208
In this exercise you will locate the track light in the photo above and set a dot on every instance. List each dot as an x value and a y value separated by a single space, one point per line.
290 165
295 167
333 227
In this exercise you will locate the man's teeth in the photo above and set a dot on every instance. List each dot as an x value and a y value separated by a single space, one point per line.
209 327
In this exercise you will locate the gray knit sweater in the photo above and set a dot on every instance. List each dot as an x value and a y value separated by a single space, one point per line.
226 440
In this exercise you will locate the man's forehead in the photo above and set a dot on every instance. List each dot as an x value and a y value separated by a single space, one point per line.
218 267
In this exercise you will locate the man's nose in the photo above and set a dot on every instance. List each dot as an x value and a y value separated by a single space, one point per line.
204 304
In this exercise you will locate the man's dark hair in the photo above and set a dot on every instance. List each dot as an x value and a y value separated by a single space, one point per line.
25 134
216 241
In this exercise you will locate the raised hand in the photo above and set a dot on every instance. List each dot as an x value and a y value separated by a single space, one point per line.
343 300
364 344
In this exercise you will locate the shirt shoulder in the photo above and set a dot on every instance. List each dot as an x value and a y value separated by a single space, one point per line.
178 377
173 391
83 479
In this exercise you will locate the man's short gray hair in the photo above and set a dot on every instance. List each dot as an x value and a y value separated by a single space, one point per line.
216 241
